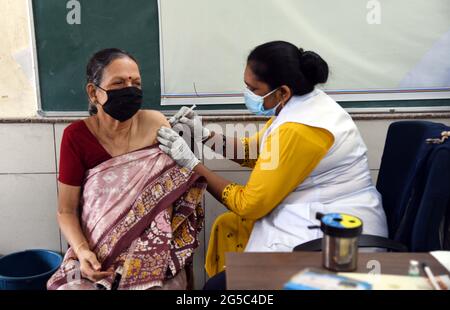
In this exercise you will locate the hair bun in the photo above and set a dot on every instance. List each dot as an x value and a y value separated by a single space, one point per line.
279 63
313 67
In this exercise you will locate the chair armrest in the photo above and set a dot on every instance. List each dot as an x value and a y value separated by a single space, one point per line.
371 241
364 241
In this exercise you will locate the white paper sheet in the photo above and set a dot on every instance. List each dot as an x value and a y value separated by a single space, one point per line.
442 257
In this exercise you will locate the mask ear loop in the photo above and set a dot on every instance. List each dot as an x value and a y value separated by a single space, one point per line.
272 92
101 88
98 86
93 103
283 104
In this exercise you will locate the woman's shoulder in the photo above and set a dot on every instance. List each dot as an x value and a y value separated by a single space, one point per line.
306 134
153 118
75 128
150 122
78 133
75 125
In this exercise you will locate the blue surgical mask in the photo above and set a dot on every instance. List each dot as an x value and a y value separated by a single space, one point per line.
255 103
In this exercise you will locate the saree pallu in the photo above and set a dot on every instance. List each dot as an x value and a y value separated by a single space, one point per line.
141 214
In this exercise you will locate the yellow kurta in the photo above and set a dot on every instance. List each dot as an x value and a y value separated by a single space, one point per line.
300 149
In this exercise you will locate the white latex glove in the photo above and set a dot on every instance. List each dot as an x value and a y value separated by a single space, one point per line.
187 117
175 146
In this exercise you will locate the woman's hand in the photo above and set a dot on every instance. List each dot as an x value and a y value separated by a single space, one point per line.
91 268
175 146
68 218
186 116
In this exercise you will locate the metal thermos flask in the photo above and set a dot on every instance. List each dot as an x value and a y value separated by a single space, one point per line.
340 241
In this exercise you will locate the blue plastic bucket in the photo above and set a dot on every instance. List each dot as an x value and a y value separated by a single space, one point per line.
28 270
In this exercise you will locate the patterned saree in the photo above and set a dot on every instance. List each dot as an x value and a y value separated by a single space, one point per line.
141 214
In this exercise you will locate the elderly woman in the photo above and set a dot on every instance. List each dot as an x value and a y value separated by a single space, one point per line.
129 213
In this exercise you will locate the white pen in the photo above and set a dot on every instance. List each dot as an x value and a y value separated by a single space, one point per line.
431 277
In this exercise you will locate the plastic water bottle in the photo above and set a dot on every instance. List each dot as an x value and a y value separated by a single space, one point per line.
414 270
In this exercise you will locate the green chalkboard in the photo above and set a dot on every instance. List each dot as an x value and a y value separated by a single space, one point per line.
63 48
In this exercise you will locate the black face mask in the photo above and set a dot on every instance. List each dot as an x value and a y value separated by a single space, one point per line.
124 103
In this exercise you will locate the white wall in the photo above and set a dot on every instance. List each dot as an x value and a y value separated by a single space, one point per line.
17 82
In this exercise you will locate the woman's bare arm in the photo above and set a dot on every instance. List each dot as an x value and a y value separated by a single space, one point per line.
216 183
68 215
69 222
231 148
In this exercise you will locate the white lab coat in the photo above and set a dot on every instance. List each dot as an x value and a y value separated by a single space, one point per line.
340 183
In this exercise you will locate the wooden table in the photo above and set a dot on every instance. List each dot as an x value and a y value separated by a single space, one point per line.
270 271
